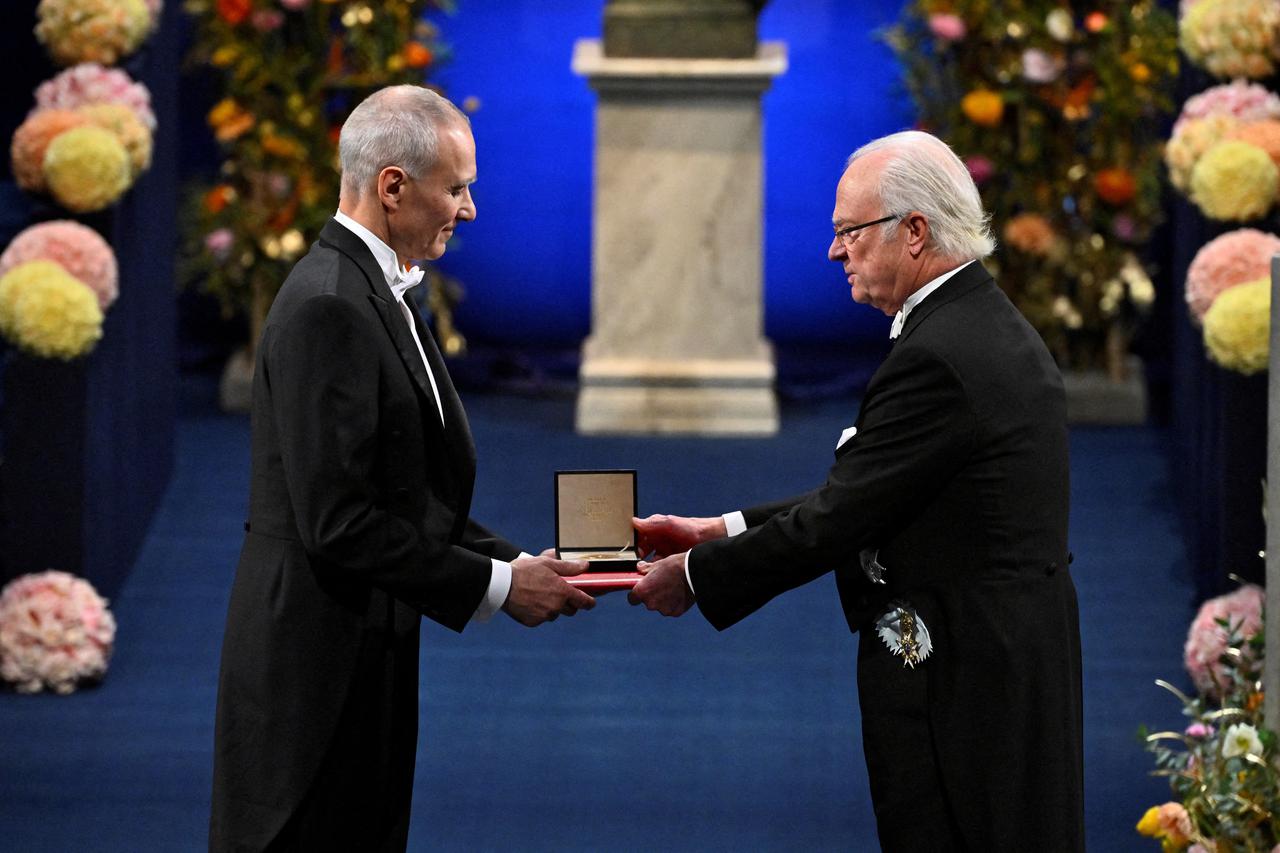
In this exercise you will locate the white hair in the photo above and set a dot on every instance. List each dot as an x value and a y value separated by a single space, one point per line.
923 174
395 126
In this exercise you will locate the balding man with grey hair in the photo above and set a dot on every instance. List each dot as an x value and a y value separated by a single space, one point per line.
363 469
944 517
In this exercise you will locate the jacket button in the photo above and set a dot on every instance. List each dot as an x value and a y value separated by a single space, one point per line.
1050 569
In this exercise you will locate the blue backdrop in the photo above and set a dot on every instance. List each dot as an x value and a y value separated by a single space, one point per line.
526 260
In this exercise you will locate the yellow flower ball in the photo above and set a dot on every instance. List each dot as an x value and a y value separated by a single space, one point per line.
87 169
1233 180
1192 139
101 31
128 128
983 107
46 311
1237 327
31 140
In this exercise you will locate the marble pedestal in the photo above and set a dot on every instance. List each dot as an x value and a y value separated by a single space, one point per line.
677 319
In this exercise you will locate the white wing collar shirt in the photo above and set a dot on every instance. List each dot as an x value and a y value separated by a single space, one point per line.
401 281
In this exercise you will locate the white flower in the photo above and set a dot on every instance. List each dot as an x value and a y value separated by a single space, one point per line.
1241 739
1060 25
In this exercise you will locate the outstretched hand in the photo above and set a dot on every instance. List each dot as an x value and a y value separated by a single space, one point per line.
539 592
664 535
664 587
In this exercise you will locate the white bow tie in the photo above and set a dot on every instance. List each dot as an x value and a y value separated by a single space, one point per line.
405 280
896 328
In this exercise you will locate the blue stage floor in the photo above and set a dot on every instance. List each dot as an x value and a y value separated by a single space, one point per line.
612 731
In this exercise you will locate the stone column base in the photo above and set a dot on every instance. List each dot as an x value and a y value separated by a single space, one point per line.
701 396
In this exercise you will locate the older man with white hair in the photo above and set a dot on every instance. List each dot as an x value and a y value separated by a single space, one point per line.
944 517
363 468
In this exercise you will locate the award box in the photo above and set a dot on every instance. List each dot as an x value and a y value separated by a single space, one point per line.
593 523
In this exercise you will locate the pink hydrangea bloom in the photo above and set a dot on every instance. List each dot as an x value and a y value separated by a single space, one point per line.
77 248
1225 261
55 632
90 83
1207 640
947 27
1238 99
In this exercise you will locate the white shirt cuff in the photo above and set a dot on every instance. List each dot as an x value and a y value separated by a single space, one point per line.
688 579
734 523
499 588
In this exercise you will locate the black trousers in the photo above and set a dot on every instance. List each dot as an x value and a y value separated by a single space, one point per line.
360 798
912 812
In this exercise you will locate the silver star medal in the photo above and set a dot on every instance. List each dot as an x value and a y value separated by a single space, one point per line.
904 633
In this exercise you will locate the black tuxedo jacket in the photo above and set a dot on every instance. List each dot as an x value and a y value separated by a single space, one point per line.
358 523
958 474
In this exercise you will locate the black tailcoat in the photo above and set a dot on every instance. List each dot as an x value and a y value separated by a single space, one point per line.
358 523
958 474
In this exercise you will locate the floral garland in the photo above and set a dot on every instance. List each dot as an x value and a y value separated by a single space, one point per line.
1222 766
290 72
1224 155
1051 111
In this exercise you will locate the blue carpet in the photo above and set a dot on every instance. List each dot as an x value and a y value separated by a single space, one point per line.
615 730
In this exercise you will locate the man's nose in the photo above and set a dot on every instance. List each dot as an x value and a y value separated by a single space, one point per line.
835 252
468 209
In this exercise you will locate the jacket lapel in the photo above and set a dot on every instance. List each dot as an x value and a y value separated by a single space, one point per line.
338 237
961 283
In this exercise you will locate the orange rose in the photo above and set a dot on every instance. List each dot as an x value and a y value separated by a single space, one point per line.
234 11
1115 186
217 199
416 55
983 107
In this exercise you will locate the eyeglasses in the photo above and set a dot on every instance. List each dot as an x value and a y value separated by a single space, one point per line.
846 236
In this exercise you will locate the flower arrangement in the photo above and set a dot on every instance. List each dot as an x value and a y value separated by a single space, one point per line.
1234 180
46 311
90 83
55 632
1239 99
1225 261
1222 767
31 140
109 114
92 30
291 71
1237 327
1231 38
1056 113
78 249
125 126
87 169
1263 134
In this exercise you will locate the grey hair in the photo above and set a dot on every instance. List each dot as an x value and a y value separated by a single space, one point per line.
395 126
924 174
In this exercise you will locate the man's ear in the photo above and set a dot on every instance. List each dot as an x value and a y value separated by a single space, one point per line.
391 184
917 225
